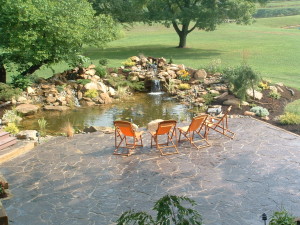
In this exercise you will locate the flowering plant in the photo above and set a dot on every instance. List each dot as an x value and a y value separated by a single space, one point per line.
184 75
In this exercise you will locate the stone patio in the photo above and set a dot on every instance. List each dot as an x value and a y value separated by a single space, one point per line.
79 181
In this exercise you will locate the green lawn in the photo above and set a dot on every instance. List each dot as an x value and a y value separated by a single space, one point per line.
270 49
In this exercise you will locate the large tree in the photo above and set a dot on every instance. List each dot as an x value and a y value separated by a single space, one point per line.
34 33
184 15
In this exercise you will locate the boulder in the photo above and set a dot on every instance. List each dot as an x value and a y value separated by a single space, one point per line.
102 87
90 129
79 95
59 108
30 90
234 101
199 74
91 85
92 66
28 135
214 110
105 97
111 91
248 113
22 99
27 109
257 95
50 99
90 72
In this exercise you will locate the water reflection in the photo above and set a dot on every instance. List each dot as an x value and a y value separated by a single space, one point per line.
141 109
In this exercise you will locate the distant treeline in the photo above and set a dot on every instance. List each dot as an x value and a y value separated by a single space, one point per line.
271 12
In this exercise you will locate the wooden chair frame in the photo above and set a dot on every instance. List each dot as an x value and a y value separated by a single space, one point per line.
165 128
195 128
123 131
221 125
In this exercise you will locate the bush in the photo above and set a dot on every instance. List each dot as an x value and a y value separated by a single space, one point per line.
282 218
121 81
214 66
103 62
183 75
20 81
208 98
275 95
260 111
289 118
101 71
11 128
92 93
264 85
128 63
42 125
184 87
83 81
7 92
11 116
241 79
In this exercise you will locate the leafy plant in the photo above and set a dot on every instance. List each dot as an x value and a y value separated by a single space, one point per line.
241 79
209 98
7 92
42 125
20 81
275 95
170 86
126 70
128 63
11 128
260 111
183 75
169 210
101 71
214 66
184 87
282 218
83 81
92 93
264 85
121 81
60 88
11 116
171 61
103 61
289 118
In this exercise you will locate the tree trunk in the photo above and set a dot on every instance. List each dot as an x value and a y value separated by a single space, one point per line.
182 39
2 73
31 69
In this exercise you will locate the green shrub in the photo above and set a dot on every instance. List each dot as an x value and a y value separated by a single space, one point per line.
184 87
20 81
214 66
92 93
282 218
7 92
101 71
126 70
241 79
11 128
121 81
42 125
209 98
11 116
103 61
275 95
289 118
83 81
260 111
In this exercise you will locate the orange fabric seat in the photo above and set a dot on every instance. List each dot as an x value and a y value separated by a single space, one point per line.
165 129
123 131
195 127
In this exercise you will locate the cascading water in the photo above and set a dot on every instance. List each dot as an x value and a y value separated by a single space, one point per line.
155 86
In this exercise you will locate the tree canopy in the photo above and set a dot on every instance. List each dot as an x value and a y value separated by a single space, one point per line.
41 32
184 15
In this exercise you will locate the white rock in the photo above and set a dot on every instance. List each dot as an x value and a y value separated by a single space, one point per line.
91 85
111 91
257 95
30 90
102 87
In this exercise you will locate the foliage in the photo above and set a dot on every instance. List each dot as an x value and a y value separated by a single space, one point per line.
214 66
169 211
83 81
282 218
259 111
273 12
241 79
11 128
103 61
121 81
171 61
170 86
293 107
42 125
184 87
60 88
2 189
275 95
19 81
128 63
122 92
289 118
92 93
101 71
209 98
264 85
126 70
43 32
183 75
11 116
7 92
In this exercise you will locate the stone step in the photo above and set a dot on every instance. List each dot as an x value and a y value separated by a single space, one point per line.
3 135
6 142
3 216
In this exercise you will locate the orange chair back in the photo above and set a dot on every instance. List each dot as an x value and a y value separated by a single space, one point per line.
125 127
197 122
164 127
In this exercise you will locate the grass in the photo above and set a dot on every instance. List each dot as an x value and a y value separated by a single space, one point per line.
293 107
273 51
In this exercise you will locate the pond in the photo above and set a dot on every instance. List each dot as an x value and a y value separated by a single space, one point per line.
140 109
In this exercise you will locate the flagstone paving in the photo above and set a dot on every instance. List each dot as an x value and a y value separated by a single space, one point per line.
79 181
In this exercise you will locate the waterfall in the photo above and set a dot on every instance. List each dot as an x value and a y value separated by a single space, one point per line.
155 86
76 101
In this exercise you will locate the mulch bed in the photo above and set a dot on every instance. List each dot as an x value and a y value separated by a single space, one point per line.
275 107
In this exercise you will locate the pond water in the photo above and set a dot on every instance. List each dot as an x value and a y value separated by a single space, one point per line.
140 109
